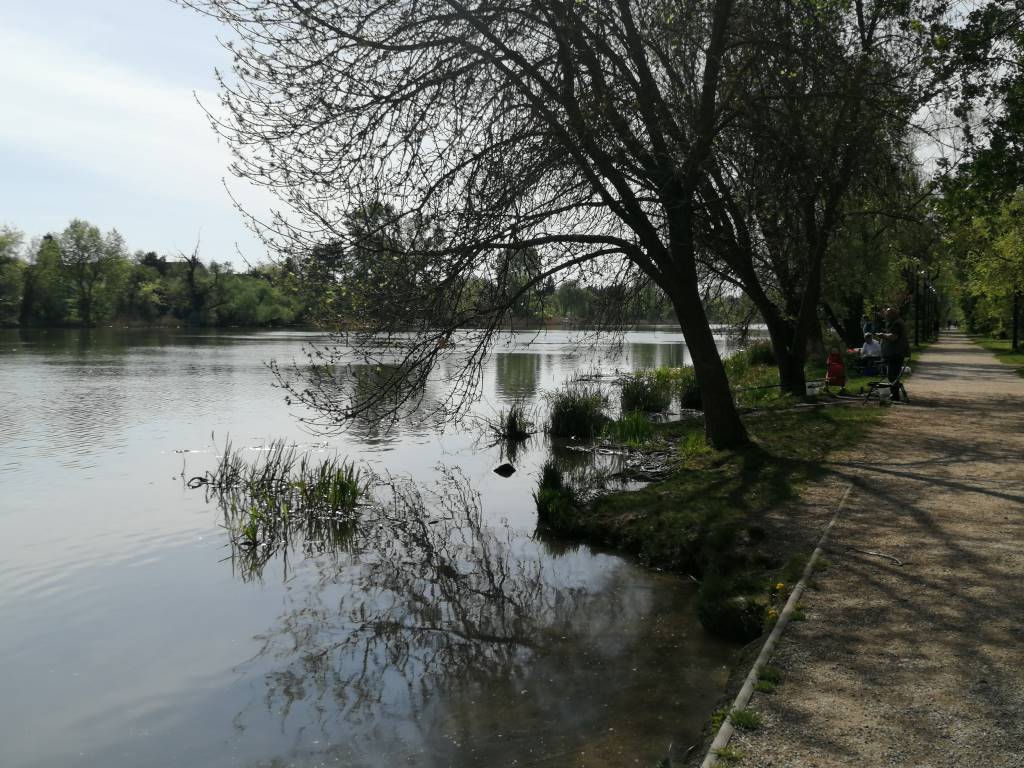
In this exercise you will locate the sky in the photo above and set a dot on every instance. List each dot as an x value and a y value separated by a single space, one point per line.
99 121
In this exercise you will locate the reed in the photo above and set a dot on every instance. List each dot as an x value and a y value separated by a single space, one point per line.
634 428
512 424
578 411
281 494
649 391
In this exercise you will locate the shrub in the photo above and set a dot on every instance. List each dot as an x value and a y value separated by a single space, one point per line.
760 353
578 411
647 391
689 392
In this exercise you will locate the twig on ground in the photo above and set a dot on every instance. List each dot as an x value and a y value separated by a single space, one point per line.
876 554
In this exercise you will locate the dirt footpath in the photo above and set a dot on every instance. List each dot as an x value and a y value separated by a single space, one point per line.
920 665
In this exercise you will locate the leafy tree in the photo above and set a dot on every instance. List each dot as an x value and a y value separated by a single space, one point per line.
994 266
92 263
835 87
981 199
11 275
48 294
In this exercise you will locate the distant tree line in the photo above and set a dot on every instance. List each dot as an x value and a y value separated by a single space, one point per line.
83 277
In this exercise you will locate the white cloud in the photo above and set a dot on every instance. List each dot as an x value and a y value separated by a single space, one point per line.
129 131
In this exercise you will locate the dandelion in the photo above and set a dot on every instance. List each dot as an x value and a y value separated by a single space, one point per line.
779 587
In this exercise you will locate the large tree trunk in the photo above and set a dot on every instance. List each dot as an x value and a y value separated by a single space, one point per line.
815 343
790 352
722 425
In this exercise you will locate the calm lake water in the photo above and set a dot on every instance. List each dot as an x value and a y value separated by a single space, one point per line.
444 632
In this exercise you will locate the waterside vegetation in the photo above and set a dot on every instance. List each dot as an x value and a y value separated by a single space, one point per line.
704 514
283 497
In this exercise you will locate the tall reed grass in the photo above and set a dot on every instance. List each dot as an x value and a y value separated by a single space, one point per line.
282 493
578 410
649 391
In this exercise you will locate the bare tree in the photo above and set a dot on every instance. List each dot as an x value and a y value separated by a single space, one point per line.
477 132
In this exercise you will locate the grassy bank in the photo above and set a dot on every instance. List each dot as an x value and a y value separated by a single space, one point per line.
1003 353
706 519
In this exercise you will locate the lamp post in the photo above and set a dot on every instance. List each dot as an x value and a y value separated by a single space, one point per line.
1016 320
917 308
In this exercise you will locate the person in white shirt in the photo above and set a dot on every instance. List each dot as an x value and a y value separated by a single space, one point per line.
871 348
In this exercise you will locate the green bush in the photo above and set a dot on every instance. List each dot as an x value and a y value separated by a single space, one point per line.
689 392
647 391
578 411
760 353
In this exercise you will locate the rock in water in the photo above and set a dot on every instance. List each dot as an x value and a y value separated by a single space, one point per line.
505 470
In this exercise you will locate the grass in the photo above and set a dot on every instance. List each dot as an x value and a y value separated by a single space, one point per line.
745 719
512 424
704 519
728 756
281 495
578 410
634 429
742 719
648 391
1003 353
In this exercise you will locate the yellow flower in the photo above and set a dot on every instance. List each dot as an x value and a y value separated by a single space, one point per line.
779 587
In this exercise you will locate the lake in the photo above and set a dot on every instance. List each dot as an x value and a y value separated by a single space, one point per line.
445 631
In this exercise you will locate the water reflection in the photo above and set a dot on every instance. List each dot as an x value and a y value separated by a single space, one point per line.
645 355
436 640
493 645
517 374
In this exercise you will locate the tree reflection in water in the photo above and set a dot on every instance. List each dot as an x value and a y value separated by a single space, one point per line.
432 638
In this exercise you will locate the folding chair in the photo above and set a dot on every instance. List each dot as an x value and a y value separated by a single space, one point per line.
868 366
876 388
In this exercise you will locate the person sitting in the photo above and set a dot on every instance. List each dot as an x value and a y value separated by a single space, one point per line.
870 360
872 347
835 370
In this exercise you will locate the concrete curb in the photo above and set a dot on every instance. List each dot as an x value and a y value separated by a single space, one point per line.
725 731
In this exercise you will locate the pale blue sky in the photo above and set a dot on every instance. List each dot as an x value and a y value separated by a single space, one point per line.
98 121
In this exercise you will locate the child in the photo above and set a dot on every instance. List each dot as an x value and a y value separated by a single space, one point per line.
835 370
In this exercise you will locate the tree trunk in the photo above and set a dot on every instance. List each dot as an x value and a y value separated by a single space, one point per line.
722 425
815 343
790 357
792 378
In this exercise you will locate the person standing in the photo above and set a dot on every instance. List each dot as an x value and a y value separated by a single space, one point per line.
895 347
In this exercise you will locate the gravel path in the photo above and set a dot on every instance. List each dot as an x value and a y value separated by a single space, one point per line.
920 665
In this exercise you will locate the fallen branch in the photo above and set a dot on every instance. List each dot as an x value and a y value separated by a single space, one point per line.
876 554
